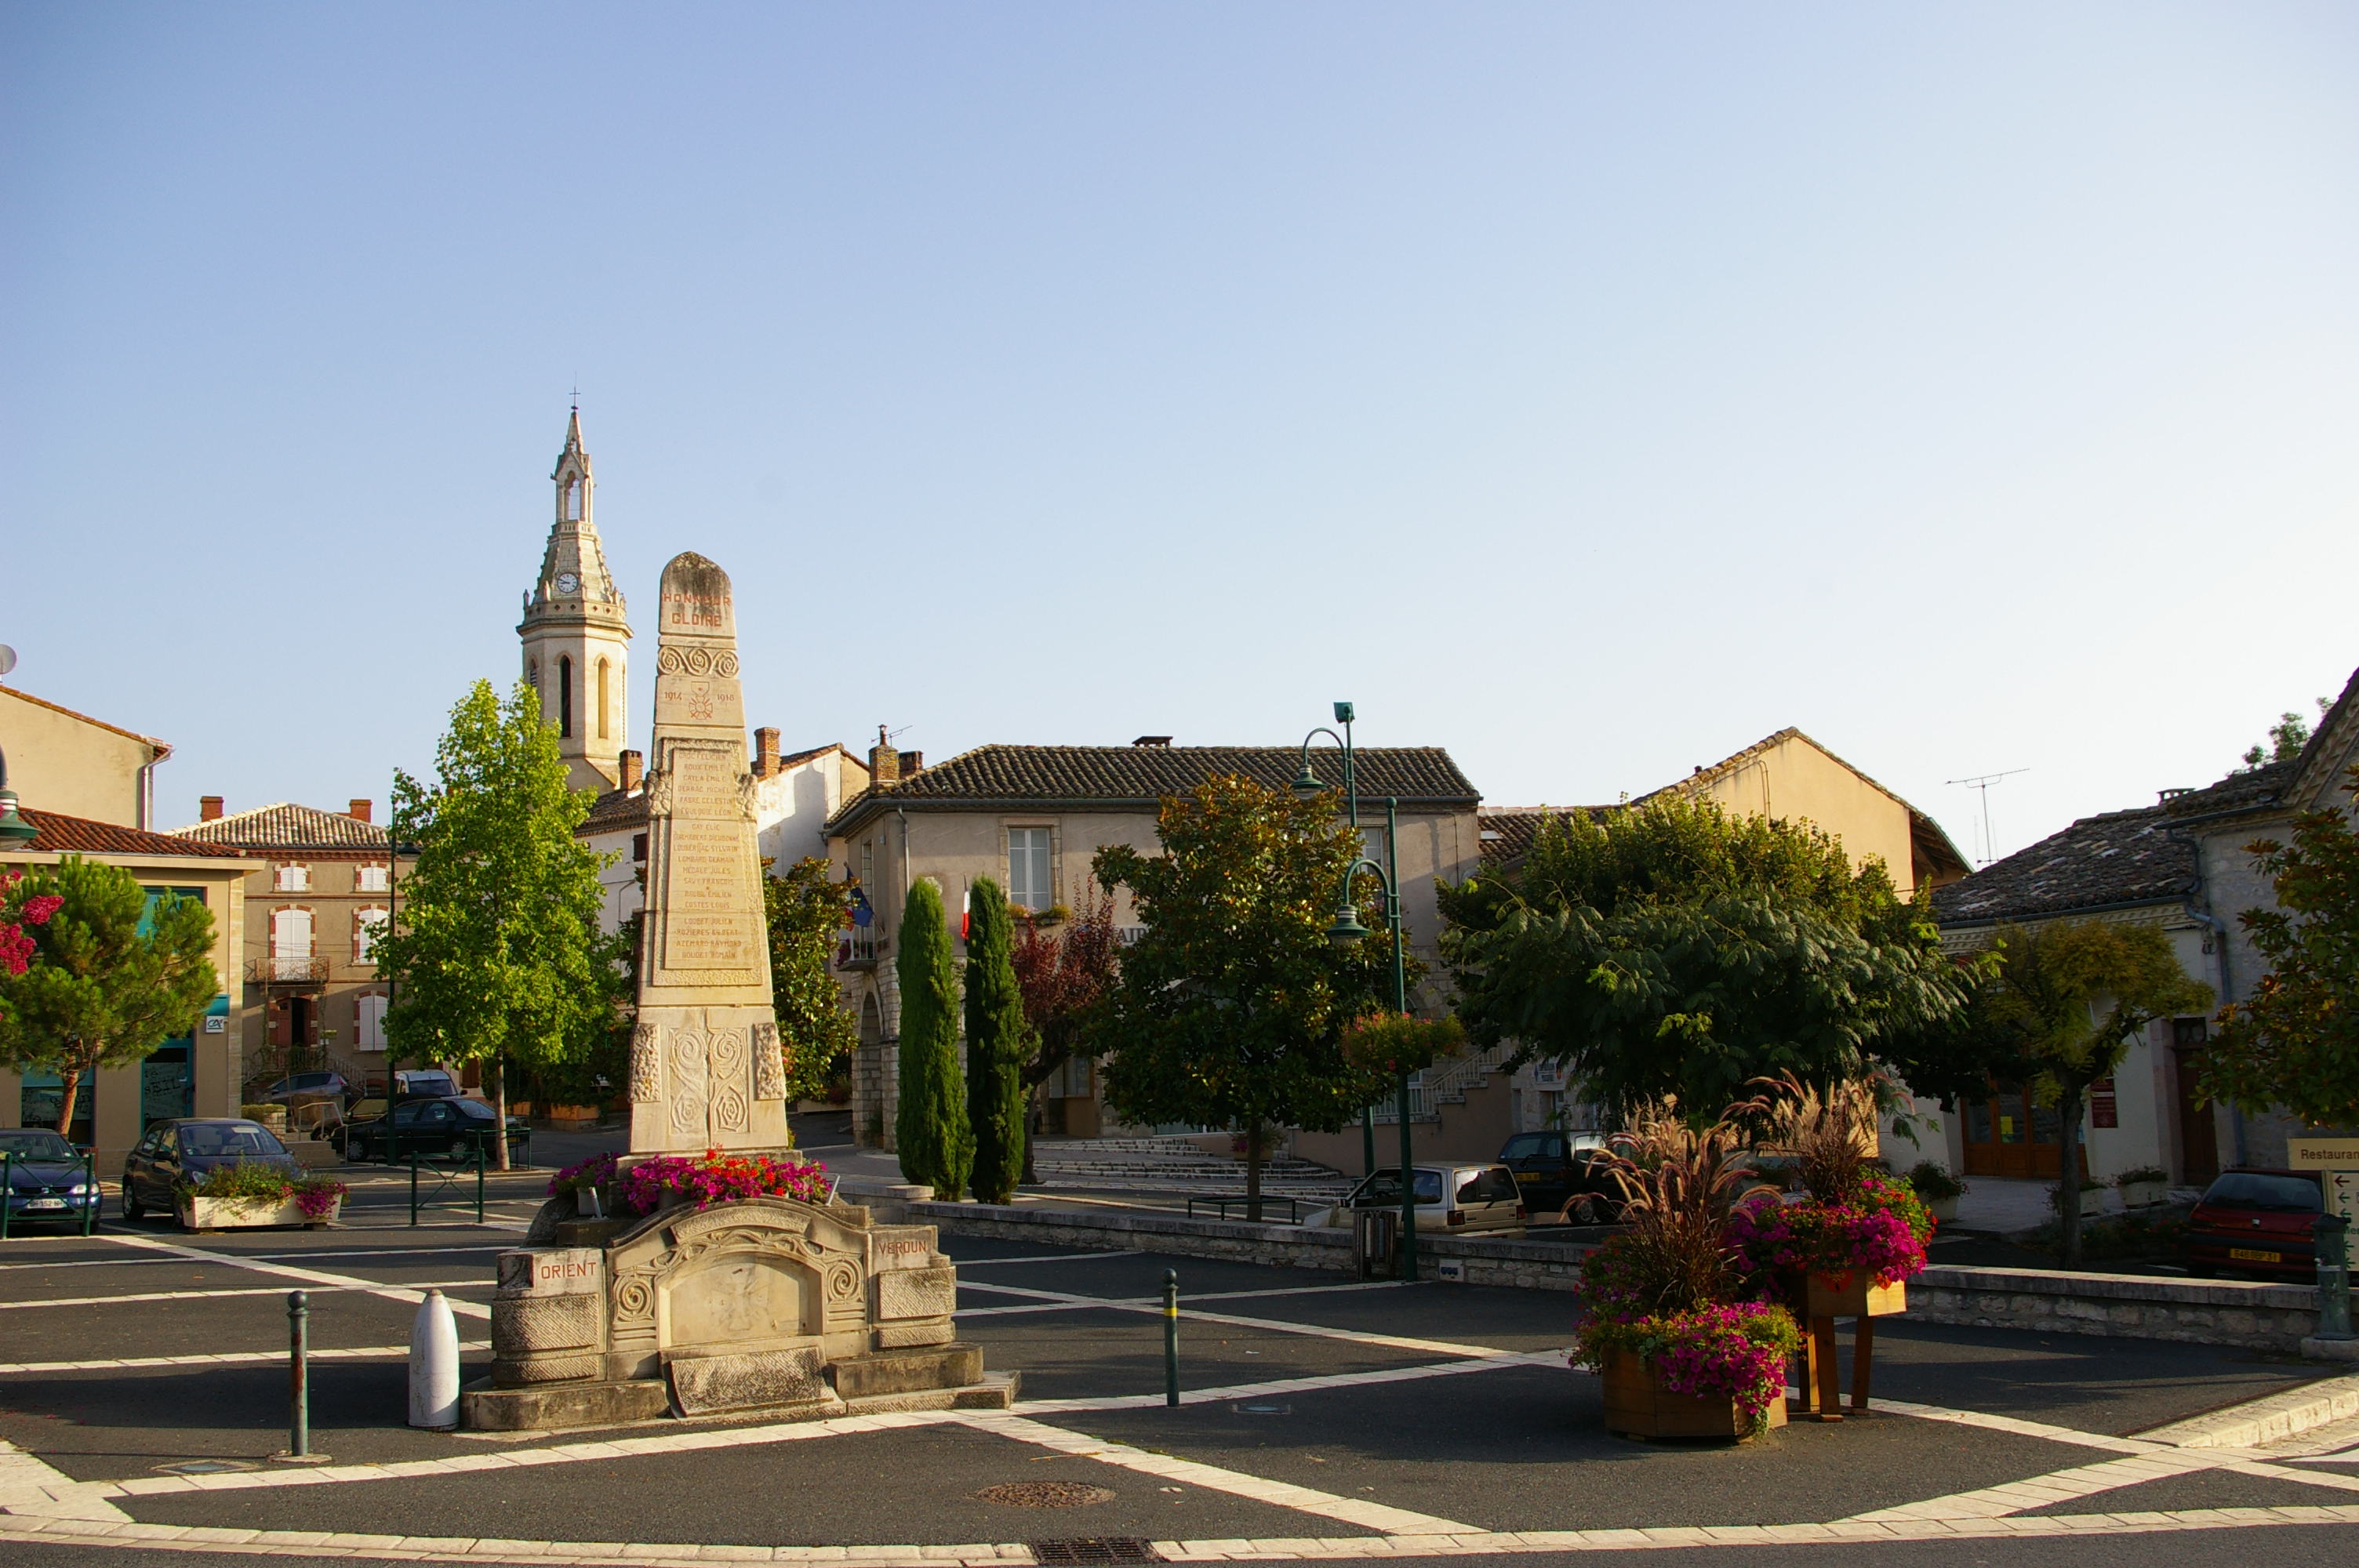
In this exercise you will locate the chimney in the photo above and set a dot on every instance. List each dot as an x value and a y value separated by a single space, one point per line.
883 761
359 812
1152 741
765 754
209 809
632 763
912 764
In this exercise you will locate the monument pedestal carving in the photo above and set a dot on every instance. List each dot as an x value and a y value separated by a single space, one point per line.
764 1303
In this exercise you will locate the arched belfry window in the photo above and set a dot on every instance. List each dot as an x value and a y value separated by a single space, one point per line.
532 674
573 499
603 706
564 696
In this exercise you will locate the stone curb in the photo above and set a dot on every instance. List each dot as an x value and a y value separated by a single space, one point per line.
2270 1418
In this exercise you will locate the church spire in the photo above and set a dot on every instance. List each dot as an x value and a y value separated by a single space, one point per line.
576 639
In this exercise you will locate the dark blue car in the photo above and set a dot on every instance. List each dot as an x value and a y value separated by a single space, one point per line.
183 1151
46 1180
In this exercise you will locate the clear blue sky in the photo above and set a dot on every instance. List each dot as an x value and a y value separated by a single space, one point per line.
1589 389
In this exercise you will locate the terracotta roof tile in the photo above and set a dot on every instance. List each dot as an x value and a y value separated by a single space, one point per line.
289 827
1509 830
1140 775
615 810
81 836
2120 858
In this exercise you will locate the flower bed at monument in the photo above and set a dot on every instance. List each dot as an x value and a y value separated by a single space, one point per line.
671 1181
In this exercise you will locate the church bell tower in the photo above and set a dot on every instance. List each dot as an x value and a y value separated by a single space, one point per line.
576 642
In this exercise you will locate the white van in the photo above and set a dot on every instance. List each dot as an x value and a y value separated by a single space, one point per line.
1481 1198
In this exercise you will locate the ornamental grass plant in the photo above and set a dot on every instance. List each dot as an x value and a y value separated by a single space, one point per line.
1856 1217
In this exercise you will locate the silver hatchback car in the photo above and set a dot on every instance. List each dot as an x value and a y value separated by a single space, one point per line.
1481 1198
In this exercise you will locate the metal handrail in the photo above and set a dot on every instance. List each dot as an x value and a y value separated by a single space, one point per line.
90 1191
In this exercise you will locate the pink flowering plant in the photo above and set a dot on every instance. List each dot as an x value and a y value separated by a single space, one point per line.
1881 1232
1733 1351
317 1197
671 1181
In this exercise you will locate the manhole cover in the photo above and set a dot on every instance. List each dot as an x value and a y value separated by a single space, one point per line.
205 1467
1263 1409
1047 1494
1095 1551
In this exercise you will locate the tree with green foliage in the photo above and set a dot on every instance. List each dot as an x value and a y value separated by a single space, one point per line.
2068 997
805 909
930 1126
999 1041
495 951
1672 947
1229 1010
114 971
2295 1041
2287 736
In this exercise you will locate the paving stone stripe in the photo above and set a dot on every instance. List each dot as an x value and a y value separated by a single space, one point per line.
467 1284
224 1358
307 1276
1275 1325
325 1252
1212 1477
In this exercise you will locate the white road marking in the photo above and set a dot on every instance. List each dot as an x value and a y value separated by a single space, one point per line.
33 1488
226 1358
1044 1257
212 1295
306 1276
1212 1477
273 1257
1144 1305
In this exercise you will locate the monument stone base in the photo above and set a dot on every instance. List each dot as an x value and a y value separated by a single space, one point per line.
769 1307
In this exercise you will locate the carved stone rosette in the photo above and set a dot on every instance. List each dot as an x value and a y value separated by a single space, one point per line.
647 1064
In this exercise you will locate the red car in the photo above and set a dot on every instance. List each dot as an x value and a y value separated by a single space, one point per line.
2255 1222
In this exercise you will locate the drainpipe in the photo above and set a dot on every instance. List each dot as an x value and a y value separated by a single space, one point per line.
147 789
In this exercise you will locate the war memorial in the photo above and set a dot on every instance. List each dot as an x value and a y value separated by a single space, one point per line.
785 1304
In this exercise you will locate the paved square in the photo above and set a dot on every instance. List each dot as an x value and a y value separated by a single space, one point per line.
1320 1420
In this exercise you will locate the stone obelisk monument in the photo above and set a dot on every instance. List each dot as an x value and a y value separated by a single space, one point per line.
705 1068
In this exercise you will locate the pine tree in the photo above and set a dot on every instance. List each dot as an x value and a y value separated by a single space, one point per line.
936 1146
998 1045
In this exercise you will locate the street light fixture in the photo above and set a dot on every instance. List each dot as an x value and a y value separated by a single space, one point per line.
14 831
1348 930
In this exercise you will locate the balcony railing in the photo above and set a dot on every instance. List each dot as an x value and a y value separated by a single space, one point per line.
277 971
859 949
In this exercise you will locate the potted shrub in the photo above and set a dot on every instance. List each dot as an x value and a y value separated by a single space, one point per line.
1680 1353
250 1195
2143 1187
1937 1189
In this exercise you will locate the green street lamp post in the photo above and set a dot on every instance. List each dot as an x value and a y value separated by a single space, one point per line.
1347 930
14 831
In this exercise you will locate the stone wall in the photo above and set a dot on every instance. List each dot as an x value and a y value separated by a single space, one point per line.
2122 1306
2125 1306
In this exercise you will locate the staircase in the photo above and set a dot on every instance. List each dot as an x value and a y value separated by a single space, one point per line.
1168 1164
1446 1085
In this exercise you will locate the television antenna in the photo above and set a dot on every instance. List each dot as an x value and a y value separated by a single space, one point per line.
1982 784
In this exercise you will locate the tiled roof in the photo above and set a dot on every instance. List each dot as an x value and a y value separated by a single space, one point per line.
1141 776
289 827
81 836
2120 858
1509 830
615 810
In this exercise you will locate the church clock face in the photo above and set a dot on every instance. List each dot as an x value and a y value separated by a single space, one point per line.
568 583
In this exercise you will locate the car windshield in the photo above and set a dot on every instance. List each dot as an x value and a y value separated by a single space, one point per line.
2252 1189
1384 1188
31 1144
1525 1146
472 1109
231 1139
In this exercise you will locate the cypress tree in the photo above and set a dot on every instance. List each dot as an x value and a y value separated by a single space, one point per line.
998 1043
935 1143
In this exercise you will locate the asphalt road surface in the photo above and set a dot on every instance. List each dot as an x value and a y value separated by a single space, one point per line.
1320 1420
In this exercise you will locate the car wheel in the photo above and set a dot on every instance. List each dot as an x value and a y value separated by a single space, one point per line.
132 1207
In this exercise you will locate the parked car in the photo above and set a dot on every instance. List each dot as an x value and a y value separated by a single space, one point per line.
452 1122
1481 1198
45 1178
305 1086
185 1149
1557 1174
2255 1221
423 1083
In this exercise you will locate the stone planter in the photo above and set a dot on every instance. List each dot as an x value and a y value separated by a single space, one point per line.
248 1214
2143 1195
1849 1292
1635 1407
1943 1210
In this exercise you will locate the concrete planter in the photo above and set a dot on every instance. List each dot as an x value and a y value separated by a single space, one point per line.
248 1214
1636 1407
1943 1210
2143 1195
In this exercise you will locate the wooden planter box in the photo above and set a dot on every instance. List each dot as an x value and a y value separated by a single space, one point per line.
246 1214
1851 1293
1635 1407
